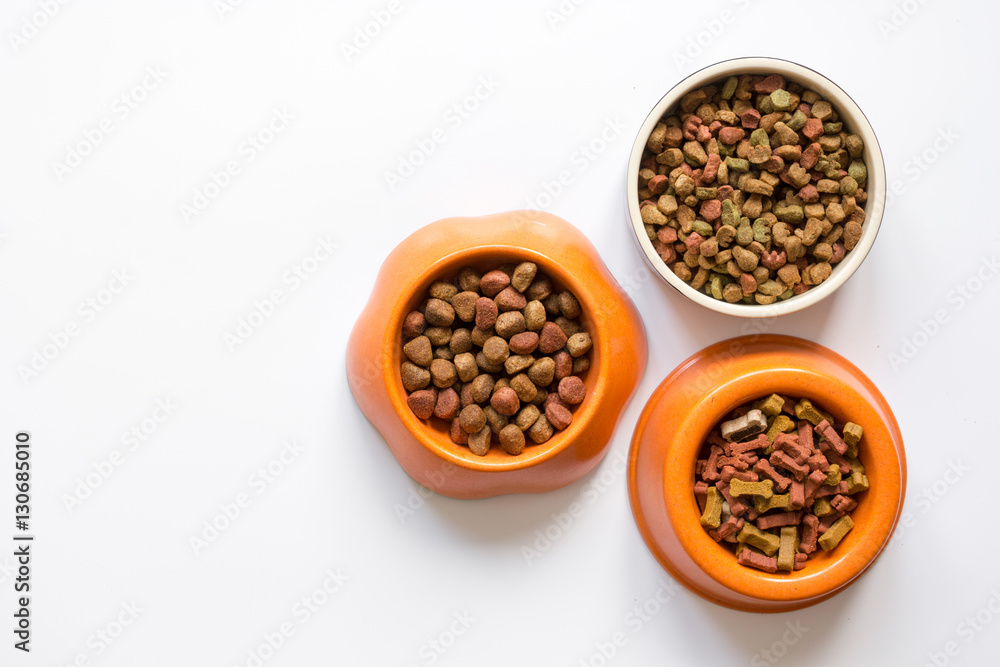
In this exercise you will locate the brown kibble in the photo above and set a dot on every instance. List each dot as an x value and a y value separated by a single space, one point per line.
465 364
443 373
527 416
461 341
439 313
524 388
496 350
512 439
524 273
541 430
505 401
438 335
524 342
558 415
414 377
852 234
534 315
447 405
487 366
579 344
568 305
552 338
472 418
542 372
540 288
479 336
479 442
572 390
581 365
419 351
494 419
517 363
468 280
482 387
414 324
510 324
464 304
510 299
443 290
493 283
422 403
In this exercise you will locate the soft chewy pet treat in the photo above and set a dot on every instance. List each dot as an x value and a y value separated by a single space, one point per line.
779 488
752 190
499 356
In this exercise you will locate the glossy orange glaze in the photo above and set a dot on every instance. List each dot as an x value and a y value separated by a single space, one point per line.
440 250
675 423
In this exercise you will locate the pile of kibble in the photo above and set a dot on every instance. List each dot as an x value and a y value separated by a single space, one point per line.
496 356
779 479
752 189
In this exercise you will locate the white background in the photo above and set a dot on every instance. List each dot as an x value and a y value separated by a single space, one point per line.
919 72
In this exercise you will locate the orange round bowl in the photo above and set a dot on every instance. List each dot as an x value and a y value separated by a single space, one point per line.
438 251
678 418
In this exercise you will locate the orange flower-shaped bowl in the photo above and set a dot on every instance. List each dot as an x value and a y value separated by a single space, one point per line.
678 418
439 251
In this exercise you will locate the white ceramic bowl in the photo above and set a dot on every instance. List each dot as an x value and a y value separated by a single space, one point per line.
854 121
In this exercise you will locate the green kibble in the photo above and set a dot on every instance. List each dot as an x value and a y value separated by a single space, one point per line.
858 171
852 433
775 502
833 477
755 537
729 87
857 482
764 489
788 545
848 185
822 507
804 410
835 533
703 228
737 164
650 231
798 121
715 286
730 213
771 406
759 138
781 100
771 288
725 151
764 105
712 516
787 294
832 128
761 231
705 193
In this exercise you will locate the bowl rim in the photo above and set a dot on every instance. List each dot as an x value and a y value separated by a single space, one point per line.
846 108
438 442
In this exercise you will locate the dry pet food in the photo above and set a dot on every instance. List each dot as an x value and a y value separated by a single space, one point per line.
778 479
752 190
499 357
